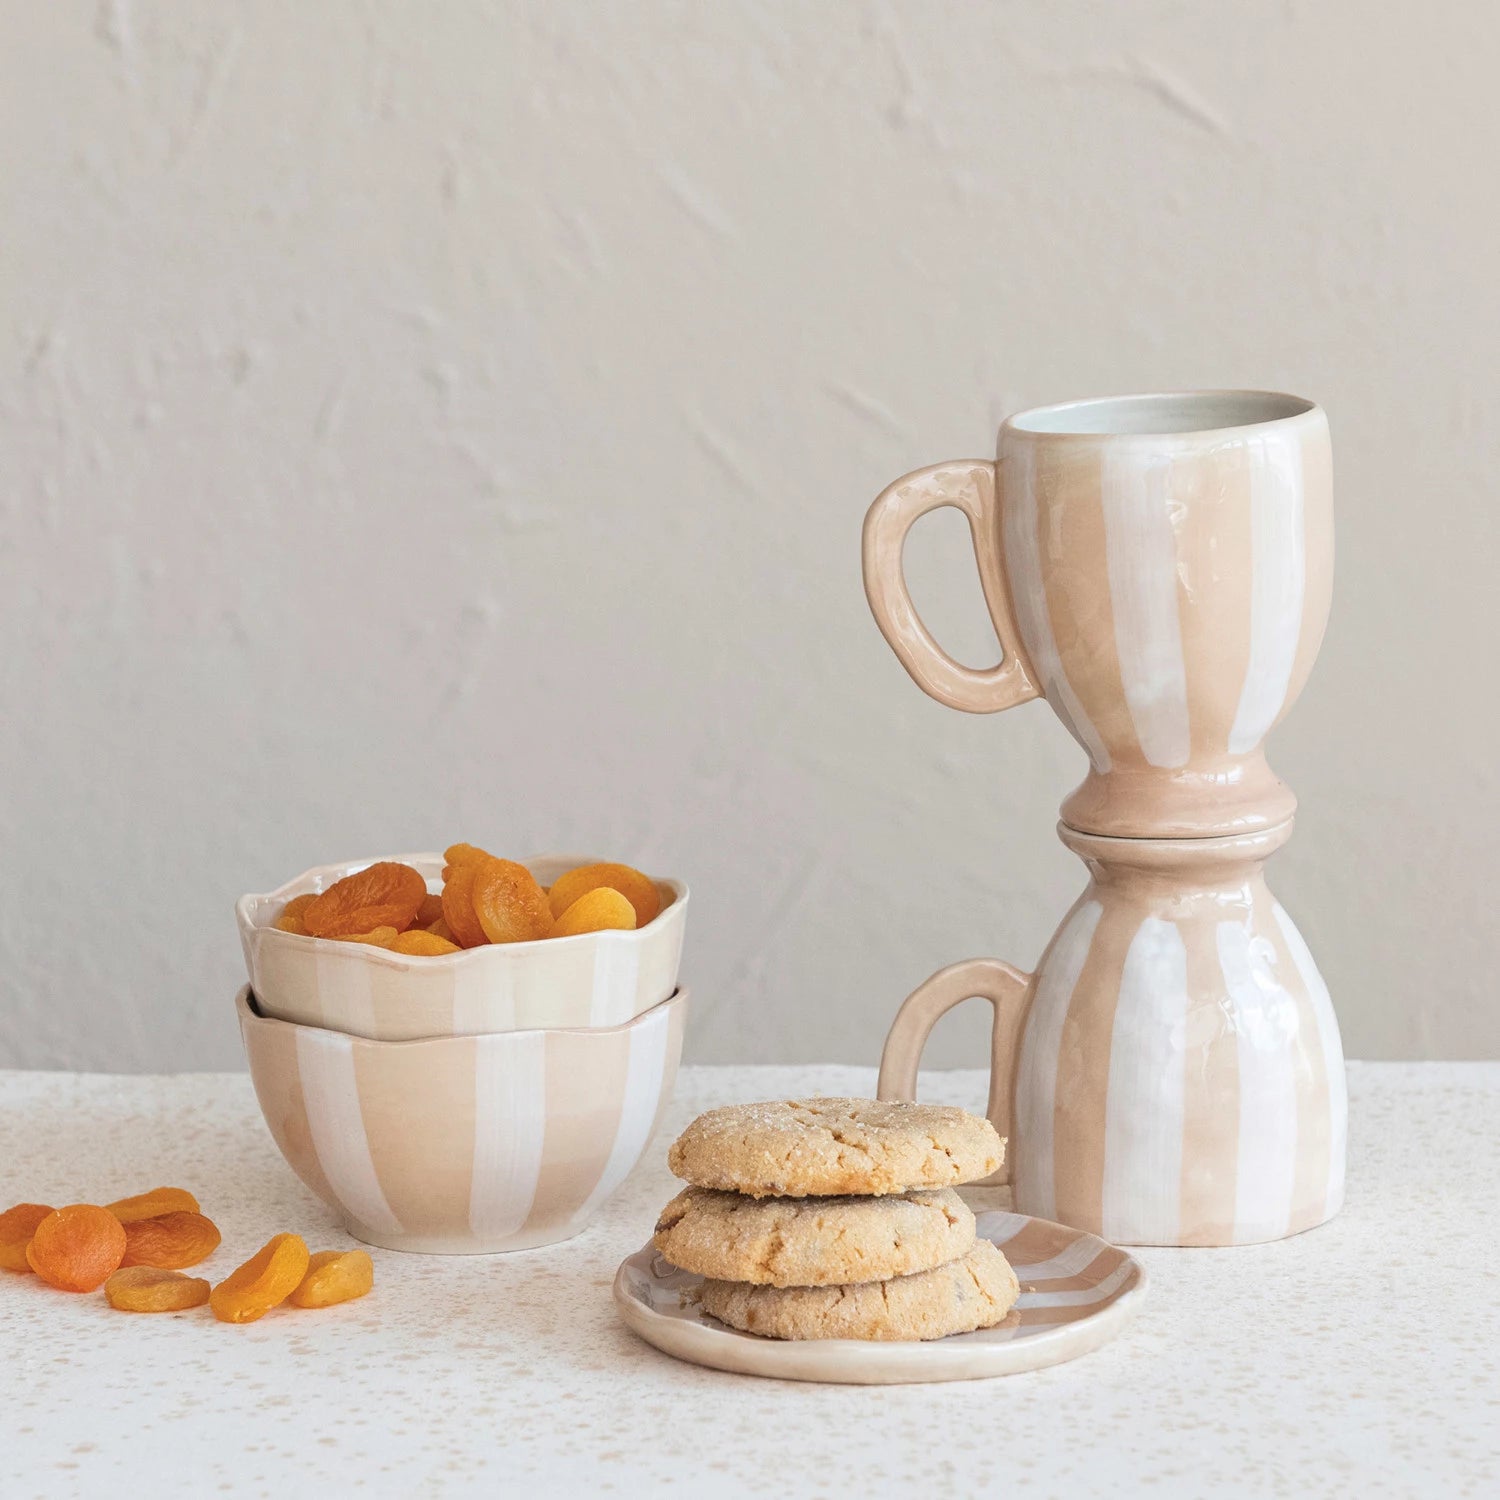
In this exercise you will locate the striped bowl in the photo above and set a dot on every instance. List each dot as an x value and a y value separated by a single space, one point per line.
594 979
464 1145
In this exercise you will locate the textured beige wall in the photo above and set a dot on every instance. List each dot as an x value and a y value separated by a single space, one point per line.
424 421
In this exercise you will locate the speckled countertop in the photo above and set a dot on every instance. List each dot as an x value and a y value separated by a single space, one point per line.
1358 1359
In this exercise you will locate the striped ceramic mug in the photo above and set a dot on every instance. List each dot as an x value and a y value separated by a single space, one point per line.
1159 568
1172 1073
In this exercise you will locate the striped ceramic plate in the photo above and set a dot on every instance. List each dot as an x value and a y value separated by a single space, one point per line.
1077 1292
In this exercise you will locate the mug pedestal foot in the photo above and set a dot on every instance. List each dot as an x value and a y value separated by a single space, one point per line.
1243 796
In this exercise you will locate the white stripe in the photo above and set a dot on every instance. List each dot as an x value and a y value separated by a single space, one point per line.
1036 1075
1333 1056
510 1118
484 997
1278 569
1144 1114
643 1085
617 964
330 1095
1265 1025
346 989
1106 1288
1141 551
1079 1256
1028 593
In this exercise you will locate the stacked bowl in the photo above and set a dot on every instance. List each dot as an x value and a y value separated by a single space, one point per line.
490 1099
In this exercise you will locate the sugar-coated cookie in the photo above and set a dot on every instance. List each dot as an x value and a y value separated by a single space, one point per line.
976 1291
813 1241
800 1147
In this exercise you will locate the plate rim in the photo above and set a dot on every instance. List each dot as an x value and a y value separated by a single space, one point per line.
871 1362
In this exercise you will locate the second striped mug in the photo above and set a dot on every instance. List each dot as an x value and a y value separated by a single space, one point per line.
1172 1073
1160 569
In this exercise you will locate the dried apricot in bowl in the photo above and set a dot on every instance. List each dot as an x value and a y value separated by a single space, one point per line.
510 905
170 1242
638 889
420 944
380 937
290 919
149 1289
162 1200
265 1281
75 1248
17 1225
463 854
598 910
385 894
458 905
334 1276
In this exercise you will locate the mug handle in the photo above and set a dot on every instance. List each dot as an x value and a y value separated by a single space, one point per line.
1008 989
967 485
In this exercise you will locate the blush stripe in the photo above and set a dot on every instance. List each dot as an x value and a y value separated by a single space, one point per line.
510 1098
1141 554
1073 1261
1277 579
1023 563
1143 1133
1036 1080
330 1092
1334 1079
1088 1296
1211 1101
643 1088
1267 1026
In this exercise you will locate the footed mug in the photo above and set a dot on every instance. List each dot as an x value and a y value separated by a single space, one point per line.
1172 1073
1159 568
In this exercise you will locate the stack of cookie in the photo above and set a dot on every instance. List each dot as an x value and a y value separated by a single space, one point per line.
837 1219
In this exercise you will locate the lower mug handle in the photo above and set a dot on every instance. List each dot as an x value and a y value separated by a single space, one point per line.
1008 989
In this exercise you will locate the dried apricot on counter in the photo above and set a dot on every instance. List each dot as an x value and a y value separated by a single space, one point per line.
638 889
170 1242
334 1276
149 1289
458 906
290 919
75 1248
265 1281
17 1225
385 894
596 911
510 905
421 944
162 1200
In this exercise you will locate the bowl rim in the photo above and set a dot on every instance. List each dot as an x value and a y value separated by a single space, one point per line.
245 1007
404 961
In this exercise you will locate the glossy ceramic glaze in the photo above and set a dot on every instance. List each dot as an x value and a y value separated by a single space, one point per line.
1076 1293
463 1145
1172 1074
594 979
1160 568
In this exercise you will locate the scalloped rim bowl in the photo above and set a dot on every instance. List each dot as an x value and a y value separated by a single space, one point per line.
464 1144
594 979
